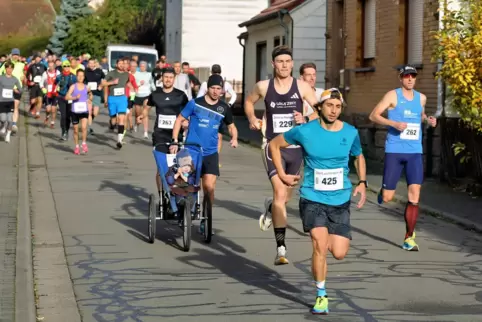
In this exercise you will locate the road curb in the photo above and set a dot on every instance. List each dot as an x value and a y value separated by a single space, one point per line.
465 223
24 283
462 222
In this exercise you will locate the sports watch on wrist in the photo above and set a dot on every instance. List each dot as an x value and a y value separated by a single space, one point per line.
364 182
307 119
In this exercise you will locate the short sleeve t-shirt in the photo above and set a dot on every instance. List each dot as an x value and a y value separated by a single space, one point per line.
119 88
204 122
326 155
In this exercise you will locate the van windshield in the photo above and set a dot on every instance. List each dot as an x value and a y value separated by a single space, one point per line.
150 59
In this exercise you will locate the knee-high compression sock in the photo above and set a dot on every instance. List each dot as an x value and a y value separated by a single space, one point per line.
320 288
279 234
120 131
411 216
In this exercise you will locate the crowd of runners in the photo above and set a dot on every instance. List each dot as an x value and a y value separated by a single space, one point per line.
300 127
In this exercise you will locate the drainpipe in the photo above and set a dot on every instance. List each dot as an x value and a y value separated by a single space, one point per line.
281 15
244 72
440 83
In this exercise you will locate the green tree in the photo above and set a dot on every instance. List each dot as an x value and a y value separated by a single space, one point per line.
70 11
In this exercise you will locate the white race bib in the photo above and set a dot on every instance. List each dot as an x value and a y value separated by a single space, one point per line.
70 101
166 121
329 179
412 132
7 93
282 122
49 88
171 159
92 86
37 79
80 107
119 91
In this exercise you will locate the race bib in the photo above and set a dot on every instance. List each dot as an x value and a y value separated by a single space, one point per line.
166 121
282 122
329 180
412 132
119 91
49 88
7 93
171 160
79 107
92 86
70 101
37 79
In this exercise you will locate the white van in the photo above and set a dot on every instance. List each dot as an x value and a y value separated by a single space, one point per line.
145 53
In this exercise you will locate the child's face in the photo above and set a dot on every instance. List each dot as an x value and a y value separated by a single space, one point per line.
186 169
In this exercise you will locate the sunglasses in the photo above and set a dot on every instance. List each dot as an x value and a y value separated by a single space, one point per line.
414 76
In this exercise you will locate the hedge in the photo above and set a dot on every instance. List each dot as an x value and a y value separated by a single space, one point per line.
27 45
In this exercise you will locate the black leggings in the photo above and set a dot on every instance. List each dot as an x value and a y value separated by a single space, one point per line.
65 114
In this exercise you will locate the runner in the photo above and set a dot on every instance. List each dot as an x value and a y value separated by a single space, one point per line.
93 78
115 84
283 97
308 74
146 85
206 115
325 192
157 73
182 80
9 85
228 88
132 69
81 96
195 84
50 91
19 73
34 78
168 102
63 82
403 146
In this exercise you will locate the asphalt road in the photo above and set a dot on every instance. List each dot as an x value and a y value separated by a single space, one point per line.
102 201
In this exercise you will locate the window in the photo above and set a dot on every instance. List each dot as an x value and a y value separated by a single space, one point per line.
276 41
261 62
414 22
366 32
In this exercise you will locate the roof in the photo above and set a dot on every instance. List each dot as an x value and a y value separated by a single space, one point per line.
272 11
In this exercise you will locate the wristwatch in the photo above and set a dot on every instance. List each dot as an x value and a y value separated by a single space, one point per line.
307 119
363 181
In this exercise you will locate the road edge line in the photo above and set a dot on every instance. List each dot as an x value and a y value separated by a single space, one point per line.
25 309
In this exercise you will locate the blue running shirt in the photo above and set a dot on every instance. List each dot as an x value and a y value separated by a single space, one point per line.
204 122
326 155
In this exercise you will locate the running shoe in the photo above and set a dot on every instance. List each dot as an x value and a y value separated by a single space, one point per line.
14 128
409 244
281 256
77 150
380 196
85 149
265 220
119 144
321 306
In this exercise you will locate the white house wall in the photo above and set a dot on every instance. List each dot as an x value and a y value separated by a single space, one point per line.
210 30
309 43
173 29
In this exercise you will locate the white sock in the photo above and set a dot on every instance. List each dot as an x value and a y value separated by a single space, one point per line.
320 285
120 137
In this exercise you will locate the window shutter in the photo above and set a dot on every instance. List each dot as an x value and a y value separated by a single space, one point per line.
369 29
415 32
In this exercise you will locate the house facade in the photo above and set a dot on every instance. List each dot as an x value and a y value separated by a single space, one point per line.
367 42
205 33
299 24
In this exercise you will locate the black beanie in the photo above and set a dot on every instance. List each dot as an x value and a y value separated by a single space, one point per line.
216 80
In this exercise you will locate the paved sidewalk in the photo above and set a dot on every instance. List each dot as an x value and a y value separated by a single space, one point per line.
437 199
8 226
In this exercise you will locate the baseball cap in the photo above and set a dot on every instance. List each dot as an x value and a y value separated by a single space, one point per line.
331 93
406 70
216 69
65 63
15 51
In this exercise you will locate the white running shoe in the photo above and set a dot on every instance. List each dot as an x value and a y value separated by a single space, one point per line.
7 137
3 130
14 128
281 256
265 220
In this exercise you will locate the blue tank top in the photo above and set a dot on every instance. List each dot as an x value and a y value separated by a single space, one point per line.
83 93
410 112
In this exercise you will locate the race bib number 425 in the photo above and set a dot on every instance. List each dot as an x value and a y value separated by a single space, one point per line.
282 122
412 132
166 121
329 179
